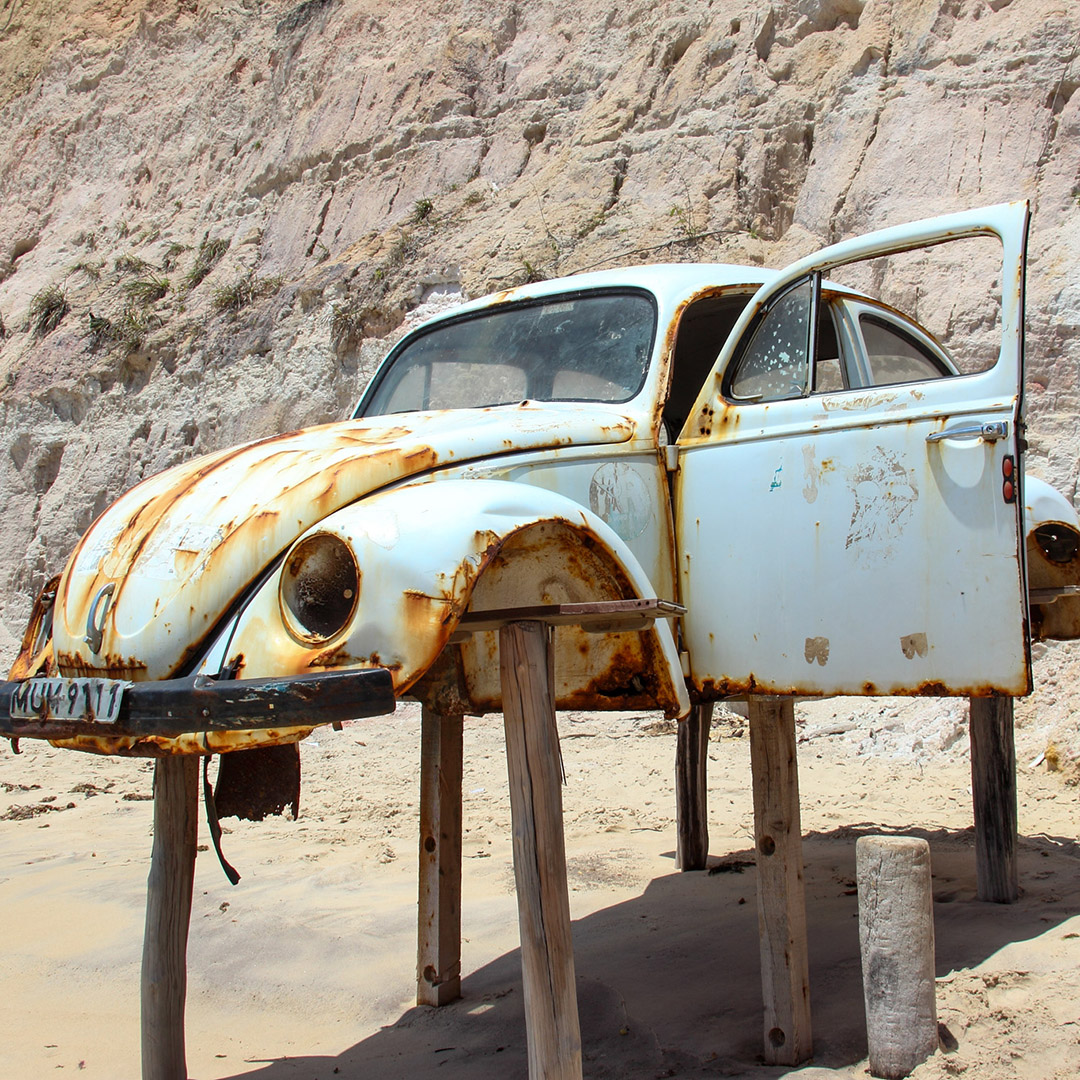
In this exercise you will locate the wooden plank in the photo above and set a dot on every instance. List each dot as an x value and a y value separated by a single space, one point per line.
691 789
534 764
993 786
598 614
785 980
438 961
168 914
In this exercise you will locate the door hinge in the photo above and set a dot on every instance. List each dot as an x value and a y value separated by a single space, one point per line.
671 457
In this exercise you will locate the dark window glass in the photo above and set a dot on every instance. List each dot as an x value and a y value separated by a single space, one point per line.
894 356
592 347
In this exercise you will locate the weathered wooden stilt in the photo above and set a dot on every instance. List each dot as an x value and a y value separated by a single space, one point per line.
535 769
438 963
168 914
691 789
896 943
993 786
785 981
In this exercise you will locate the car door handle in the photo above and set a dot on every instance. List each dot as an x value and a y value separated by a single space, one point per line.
988 432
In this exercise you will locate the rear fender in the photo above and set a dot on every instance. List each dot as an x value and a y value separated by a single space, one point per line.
429 552
1053 561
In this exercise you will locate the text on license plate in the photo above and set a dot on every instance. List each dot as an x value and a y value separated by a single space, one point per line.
68 699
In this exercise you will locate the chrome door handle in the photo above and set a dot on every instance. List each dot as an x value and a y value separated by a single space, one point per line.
988 432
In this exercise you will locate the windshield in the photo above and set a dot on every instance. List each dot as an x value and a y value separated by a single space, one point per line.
583 347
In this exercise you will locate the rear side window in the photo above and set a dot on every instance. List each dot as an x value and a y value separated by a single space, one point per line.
895 357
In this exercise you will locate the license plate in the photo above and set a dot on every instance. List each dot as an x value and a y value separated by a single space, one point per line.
68 699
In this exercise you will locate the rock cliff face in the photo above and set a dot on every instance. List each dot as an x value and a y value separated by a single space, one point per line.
228 208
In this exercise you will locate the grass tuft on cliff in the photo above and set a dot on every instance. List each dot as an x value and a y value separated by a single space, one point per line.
47 310
146 291
244 291
206 258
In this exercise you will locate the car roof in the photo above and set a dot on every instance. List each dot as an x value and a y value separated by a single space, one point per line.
670 282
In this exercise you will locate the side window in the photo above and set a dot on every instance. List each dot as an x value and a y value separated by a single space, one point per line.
775 363
830 369
895 357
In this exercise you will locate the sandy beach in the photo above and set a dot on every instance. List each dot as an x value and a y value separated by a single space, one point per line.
305 969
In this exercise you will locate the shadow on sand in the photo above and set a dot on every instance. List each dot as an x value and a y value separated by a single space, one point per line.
669 982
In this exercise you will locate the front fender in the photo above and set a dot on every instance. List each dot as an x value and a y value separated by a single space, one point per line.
430 551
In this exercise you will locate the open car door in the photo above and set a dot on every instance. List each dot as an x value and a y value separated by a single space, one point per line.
859 539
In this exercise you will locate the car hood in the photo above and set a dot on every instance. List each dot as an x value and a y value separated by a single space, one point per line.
157 571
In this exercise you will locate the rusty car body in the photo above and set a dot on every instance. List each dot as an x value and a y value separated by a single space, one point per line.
837 505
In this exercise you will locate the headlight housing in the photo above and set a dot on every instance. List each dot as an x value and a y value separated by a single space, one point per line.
320 588
1059 542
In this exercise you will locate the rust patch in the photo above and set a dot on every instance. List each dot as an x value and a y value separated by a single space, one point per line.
421 612
720 689
625 677
443 688
935 689
35 651
185 560
331 658
420 459
109 666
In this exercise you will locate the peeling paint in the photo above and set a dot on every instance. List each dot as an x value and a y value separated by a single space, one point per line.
810 491
884 493
618 495
913 645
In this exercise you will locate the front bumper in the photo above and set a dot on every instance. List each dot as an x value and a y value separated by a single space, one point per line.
174 707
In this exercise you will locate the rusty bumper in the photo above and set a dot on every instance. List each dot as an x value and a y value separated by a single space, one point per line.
173 707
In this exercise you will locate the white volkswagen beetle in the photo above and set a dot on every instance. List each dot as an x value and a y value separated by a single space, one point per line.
827 501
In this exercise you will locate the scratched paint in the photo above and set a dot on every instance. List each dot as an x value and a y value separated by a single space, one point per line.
885 492
618 496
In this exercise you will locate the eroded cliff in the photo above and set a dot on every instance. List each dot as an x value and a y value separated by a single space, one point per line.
229 208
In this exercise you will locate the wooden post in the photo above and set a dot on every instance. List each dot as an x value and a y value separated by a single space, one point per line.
896 941
535 767
691 789
785 980
993 786
168 914
438 962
